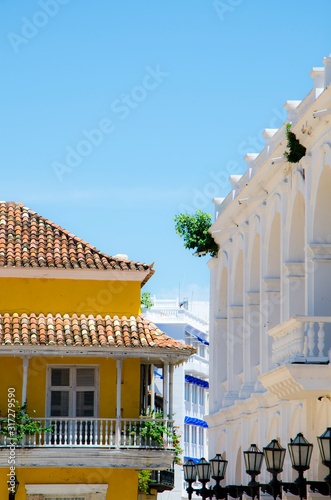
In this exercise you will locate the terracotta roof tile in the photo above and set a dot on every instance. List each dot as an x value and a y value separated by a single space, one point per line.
74 330
29 240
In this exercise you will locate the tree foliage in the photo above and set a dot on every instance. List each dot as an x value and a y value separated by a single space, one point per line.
194 230
146 300
295 151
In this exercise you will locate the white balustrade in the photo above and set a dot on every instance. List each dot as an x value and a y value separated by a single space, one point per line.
93 432
301 339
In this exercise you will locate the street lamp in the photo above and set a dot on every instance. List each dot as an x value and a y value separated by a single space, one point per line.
13 488
218 469
253 461
190 475
274 455
203 468
300 454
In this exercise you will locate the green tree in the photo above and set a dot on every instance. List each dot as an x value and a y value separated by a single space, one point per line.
146 300
295 150
194 230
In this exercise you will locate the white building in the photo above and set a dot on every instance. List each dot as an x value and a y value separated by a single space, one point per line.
270 323
191 385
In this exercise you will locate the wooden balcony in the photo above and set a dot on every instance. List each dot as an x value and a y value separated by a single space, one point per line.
91 442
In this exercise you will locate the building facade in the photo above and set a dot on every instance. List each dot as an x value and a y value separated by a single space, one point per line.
191 393
75 348
270 323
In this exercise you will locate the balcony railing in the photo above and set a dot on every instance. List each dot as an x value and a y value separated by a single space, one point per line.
162 480
93 432
304 339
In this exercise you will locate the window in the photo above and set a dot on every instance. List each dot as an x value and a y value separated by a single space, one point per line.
194 435
186 433
72 391
187 391
201 436
194 394
201 396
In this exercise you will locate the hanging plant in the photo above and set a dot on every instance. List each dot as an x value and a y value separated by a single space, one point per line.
295 151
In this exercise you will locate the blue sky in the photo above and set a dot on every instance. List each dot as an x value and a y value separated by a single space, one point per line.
117 115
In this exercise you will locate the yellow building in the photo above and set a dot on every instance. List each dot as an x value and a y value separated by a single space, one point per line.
74 346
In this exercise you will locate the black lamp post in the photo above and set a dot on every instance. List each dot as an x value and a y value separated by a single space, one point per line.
190 475
300 453
253 461
13 488
274 455
218 469
203 468
324 444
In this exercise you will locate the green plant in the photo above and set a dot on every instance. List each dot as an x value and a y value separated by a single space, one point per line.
146 300
194 230
19 424
144 480
295 150
155 430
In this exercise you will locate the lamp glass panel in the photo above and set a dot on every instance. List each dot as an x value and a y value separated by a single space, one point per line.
300 452
203 468
324 443
274 455
253 459
190 471
218 467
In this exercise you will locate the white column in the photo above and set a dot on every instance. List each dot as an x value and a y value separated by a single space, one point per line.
165 389
152 389
146 390
118 401
171 390
25 379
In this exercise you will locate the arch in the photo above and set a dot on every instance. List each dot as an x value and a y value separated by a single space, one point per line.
223 262
274 428
296 423
223 294
321 229
323 159
274 207
238 288
322 248
238 471
273 248
254 434
254 266
296 253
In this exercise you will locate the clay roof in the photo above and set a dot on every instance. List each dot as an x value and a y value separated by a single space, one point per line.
84 332
29 240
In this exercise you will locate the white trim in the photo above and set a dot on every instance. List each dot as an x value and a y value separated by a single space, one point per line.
65 489
97 352
79 274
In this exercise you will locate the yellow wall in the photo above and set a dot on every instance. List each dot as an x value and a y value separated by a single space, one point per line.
123 484
69 296
11 375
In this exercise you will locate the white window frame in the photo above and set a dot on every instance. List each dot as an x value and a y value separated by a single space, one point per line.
193 434
195 396
187 392
73 388
202 396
